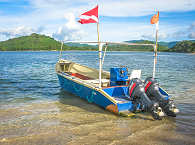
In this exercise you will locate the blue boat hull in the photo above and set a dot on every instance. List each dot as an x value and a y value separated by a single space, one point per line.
110 98
92 95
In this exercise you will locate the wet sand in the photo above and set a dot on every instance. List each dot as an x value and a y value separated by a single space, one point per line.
73 121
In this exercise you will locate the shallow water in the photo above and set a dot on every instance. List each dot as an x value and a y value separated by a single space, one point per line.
34 110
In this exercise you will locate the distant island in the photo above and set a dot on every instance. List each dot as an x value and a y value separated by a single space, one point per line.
184 46
37 42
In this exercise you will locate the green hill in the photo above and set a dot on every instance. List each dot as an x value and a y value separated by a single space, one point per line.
184 46
37 42
32 42
162 46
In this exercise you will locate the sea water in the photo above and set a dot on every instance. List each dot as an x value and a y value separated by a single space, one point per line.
35 110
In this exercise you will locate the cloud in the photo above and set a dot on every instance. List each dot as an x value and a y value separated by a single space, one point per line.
150 36
53 10
19 31
144 7
70 31
115 8
50 14
177 33
191 29
192 35
185 33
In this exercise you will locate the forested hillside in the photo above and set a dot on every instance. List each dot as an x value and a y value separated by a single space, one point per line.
184 46
36 42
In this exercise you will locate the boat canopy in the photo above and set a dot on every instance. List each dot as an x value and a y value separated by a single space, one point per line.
102 43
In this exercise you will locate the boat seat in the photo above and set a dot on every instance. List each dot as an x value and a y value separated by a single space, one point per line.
80 76
105 82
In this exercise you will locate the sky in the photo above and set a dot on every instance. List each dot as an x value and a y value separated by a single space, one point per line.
120 20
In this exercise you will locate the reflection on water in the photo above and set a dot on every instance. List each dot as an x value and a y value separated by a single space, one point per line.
34 110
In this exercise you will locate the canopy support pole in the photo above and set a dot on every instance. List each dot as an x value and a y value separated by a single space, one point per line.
62 43
100 57
104 53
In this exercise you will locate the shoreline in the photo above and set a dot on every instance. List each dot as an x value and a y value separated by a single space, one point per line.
92 51
75 51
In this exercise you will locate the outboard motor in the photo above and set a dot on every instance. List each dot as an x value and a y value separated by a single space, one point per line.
138 96
153 92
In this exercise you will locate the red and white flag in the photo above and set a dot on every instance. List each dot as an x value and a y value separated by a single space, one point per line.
89 16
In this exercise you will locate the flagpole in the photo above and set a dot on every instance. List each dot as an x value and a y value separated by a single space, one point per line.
92 17
155 50
100 56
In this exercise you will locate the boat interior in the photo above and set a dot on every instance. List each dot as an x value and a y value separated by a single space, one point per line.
89 75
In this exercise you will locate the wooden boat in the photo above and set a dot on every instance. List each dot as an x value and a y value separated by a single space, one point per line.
110 90
83 81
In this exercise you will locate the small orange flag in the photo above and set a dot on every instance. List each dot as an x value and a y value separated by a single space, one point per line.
155 18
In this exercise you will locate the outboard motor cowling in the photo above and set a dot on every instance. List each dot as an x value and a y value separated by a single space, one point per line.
137 94
152 91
